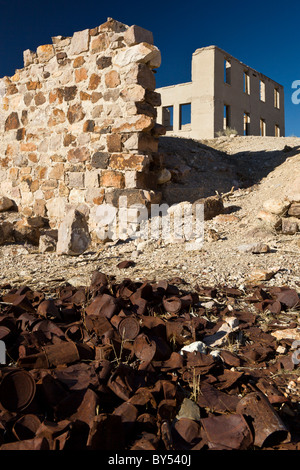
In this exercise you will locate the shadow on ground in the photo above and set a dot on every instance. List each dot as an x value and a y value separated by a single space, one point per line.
199 170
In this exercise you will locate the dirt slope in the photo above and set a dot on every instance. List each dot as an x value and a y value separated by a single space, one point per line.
258 168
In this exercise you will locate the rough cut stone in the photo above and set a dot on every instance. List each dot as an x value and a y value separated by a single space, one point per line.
75 113
103 62
133 93
28 57
112 179
12 122
95 79
112 79
80 42
136 34
100 160
121 161
45 53
99 43
289 226
73 234
133 124
141 74
79 154
114 143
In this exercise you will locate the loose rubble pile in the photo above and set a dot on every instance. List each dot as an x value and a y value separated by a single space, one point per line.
282 214
149 366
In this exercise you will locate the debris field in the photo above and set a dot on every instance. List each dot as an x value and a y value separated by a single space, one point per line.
149 366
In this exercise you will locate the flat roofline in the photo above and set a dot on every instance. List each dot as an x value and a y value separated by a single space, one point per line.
177 84
201 49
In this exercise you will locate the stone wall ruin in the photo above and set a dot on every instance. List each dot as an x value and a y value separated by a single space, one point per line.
78 123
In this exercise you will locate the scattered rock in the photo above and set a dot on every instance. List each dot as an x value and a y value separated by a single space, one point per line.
224 333
6 204
294 210
271 220
289 226
213 206
259 275
189 409
164 176
47 242
287 333
254 248
194 347
276 206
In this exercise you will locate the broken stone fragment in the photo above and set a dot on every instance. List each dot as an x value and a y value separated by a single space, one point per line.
294 210
276 206
28 57
143 53
289 226
224 333
6 204
164 176
26 233
287 333
6 232
189 409
258 275
254 248
213 206
73 234
196 346
270 220
47 242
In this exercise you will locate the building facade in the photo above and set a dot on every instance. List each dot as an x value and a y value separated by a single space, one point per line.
224 93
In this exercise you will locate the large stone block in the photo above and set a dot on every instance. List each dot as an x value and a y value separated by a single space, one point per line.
73 234
135 34
121 161
80 42
112 179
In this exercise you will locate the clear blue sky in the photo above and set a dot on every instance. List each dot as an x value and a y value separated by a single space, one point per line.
263 34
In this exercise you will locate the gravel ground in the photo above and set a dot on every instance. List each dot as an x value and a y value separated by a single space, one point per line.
262 162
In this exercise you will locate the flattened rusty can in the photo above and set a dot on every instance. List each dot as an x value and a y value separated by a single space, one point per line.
144 348
26 427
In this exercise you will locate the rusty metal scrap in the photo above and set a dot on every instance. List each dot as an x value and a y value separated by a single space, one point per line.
106 366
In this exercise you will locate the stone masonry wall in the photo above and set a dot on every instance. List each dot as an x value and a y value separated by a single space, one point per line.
78 123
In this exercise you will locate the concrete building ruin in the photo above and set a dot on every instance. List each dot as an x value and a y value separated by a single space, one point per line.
224 93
